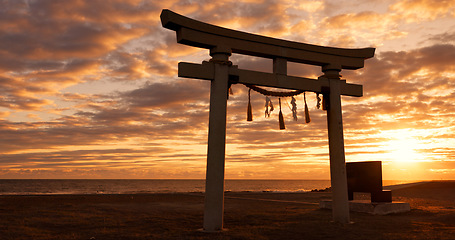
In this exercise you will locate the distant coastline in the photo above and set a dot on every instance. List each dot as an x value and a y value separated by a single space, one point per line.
145 186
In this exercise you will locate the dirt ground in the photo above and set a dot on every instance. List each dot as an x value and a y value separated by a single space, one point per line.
247 216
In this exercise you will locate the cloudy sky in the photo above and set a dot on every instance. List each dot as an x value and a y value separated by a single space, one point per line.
89 89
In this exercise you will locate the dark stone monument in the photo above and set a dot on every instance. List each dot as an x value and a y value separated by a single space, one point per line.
366 177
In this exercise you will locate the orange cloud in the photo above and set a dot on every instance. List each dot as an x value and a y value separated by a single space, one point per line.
423 10
159 125
352 29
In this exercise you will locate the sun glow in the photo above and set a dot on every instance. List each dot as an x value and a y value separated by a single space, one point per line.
403 146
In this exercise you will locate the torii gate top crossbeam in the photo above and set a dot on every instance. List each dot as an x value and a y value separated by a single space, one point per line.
199 34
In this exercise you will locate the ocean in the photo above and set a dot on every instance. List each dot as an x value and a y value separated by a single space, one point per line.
139 186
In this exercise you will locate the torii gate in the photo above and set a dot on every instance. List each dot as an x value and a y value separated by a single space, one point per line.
222 42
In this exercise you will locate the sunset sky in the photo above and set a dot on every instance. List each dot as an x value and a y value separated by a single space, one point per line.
89 89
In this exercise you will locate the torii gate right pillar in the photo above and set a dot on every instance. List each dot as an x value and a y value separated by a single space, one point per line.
340 203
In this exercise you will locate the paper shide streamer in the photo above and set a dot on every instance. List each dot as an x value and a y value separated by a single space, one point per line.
294 108
268 106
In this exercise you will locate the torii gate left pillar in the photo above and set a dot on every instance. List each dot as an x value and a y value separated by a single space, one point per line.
214 188
340 203
222 42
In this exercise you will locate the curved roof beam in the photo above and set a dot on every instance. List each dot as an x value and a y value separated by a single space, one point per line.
203 35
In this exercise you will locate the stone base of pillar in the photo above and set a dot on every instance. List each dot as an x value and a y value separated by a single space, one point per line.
374 208
218 231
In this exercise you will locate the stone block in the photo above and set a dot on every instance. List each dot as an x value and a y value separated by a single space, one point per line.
375 208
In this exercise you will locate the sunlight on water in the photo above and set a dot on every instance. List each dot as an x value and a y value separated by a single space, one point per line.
146 186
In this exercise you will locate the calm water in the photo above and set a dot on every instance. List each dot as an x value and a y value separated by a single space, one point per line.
52 186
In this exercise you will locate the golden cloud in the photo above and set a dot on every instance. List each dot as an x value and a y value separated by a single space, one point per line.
44 47
423 10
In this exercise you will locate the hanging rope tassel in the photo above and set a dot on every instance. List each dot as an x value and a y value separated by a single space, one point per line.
229 90
324 102
249 113
294 108
280 117
307 113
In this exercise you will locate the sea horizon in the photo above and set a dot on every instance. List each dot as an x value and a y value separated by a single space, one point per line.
146 186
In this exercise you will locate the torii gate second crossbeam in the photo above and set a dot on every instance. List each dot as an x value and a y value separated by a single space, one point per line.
222 42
